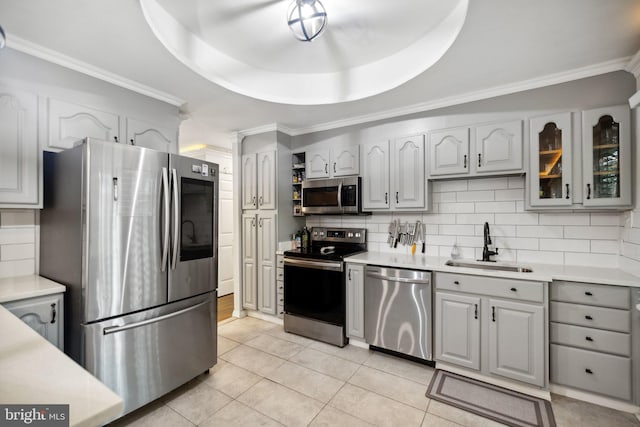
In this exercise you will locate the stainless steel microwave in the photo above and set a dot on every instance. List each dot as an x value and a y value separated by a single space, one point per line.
332 196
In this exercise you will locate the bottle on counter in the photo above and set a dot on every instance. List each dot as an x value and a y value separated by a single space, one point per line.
305 238
298 237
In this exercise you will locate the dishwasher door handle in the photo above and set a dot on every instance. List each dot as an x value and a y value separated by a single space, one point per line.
399 279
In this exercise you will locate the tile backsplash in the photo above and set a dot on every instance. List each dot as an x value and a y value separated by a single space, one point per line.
460 208
18 242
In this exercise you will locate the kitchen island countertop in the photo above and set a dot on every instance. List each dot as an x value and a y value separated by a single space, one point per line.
541 272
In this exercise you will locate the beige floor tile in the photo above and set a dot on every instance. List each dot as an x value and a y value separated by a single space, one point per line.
325 363
332 417
459 416
236 414
230 379
238 331
391 386
374 408
276 346
257 324
280 403
311 383
348 352
156 414
401 367
431 420
198 402
297 339
225 344
574 413
253 360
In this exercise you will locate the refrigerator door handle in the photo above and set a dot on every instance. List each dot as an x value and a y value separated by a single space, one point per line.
167 212
120 328
176 220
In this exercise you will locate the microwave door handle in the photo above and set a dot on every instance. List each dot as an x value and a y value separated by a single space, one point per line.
166 212
340 195
176 220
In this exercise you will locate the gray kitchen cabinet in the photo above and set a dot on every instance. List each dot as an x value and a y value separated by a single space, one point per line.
591 338
457 329
499 147
394 175
355 300
20 162
492 325
448 152
249 261
69 123
259 262
259 180
333 162
150 135
280 286
516 335
44 314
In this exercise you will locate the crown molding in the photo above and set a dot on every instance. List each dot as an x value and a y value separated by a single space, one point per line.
538 82
66 61
633 66
266 128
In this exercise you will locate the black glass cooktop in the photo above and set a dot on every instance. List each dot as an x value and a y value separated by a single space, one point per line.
338 254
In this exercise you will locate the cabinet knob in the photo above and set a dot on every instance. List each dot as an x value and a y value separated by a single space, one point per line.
588 371
132 141
588 317
514 290
588 339
326 168
493 313
115 138
334 168
475 311
397 200
567 191
479 160
456 282
589 294
53 313
386 198
465 162
588 191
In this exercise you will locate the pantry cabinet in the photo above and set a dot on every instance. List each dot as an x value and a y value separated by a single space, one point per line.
550 160
492 325
333 162
44 314
355 300
21 159
259 180
393 174
259 261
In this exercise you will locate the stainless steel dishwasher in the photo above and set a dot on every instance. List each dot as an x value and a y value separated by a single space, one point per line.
397 310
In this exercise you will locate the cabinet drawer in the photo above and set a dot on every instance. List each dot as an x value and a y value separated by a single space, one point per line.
490 286
280 273
280 261
592 371
587 315
591 339
280 287
588 293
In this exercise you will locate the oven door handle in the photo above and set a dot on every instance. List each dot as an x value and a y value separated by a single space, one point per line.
318 265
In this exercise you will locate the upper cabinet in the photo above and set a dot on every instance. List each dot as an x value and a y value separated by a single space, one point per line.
259 180
550 160
606 157
497 151
326 163
148 135
499 147
449 152
393 174
20 158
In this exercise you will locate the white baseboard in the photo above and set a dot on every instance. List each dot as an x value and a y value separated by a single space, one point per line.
239 313
595 399
266 317
357 343
521 388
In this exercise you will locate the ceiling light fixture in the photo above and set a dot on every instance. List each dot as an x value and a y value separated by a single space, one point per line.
3 38
307 19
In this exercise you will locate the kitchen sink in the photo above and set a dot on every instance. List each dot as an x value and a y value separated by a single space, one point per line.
488 266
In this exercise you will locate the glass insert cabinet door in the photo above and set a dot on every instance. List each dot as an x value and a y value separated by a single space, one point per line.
550 156
606 157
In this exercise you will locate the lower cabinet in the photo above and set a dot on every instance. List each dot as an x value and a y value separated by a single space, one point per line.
259 262
508 331
45 315
280 286
355 300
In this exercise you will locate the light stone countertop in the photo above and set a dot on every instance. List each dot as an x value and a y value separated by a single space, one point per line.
541 272
21 287
34 371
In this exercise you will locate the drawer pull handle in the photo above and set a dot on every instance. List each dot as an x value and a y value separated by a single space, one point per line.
589 294
475 314
514 290
588 371
53 313
493 313
456 282
589 339
588 317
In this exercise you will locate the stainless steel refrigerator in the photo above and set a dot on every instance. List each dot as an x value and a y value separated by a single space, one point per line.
133 234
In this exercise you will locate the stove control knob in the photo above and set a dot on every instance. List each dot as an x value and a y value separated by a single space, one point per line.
358 235
349 235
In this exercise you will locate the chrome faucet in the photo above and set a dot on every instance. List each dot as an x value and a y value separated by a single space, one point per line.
486 253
